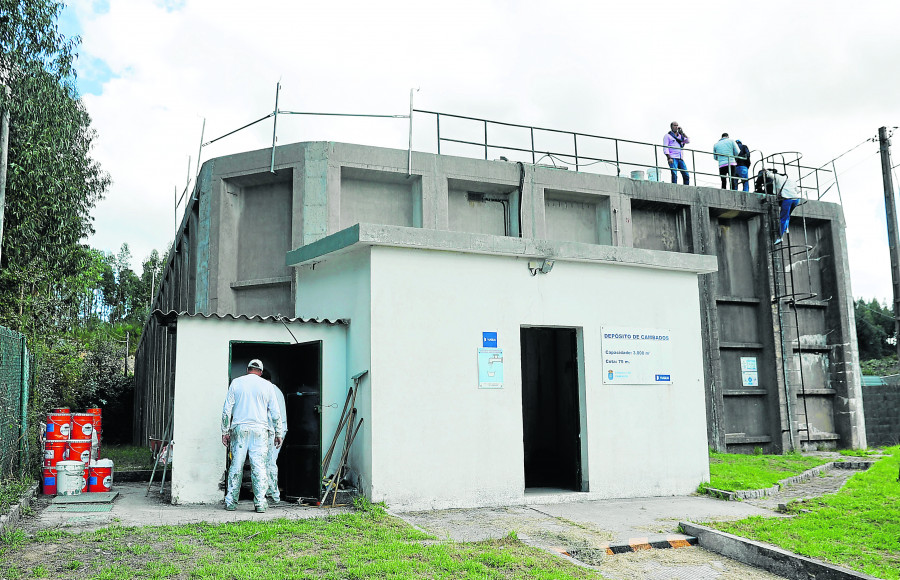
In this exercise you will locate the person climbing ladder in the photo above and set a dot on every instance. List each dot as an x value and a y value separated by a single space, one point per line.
772 182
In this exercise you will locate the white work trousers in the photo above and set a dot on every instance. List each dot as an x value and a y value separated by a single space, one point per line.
272 468
252 441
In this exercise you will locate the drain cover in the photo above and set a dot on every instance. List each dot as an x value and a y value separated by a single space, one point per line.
79 507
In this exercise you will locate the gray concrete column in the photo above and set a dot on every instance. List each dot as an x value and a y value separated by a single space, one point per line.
204 192
314 193
534 221
849 419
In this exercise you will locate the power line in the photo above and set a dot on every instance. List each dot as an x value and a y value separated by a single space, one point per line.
862 304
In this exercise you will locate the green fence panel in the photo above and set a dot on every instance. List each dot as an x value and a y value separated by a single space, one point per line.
14 369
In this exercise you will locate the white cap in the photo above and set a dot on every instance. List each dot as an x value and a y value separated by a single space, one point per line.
255 364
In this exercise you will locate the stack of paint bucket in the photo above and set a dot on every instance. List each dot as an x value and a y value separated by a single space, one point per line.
72 449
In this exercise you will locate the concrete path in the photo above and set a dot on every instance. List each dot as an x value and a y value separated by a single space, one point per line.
830 481
133 508
584 529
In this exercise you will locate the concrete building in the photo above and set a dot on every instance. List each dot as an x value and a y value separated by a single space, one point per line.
524 328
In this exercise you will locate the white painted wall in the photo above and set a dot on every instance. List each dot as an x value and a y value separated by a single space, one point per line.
439 441
201 381
339 287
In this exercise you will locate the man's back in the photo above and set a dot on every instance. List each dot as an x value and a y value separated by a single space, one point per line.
251 398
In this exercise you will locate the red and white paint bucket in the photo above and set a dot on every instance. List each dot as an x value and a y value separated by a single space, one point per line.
98 430
61 410
97 412
100 476
54 452
70 478
82 426
78 450
48 481
59 426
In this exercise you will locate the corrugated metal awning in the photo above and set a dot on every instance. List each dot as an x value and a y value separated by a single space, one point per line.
170 317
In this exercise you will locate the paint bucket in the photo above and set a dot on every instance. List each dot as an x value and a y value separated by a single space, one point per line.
61 410
82 426
69 478
48 481
97 412
100 476
78 450
59 426
638 175
54 452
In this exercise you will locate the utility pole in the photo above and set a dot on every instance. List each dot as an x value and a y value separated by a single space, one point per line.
890 208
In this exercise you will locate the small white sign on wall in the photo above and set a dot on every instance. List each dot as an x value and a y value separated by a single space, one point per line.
636 356
749 376
490 368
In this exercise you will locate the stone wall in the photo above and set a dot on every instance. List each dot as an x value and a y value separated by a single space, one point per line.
882 409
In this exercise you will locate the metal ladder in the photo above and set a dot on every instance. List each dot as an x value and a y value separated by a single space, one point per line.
786 257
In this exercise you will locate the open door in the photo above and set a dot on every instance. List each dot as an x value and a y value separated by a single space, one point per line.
550 408
296 369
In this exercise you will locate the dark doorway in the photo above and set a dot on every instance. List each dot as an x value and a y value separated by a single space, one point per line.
550 408
297 370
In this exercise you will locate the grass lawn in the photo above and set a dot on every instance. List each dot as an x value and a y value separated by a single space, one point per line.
365 544
128 457
733 471
858 527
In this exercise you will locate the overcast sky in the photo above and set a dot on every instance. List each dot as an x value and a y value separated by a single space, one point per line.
817 77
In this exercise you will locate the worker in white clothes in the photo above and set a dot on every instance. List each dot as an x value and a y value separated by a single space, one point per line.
272 461
249 406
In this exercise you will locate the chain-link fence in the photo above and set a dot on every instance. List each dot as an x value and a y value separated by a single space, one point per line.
14 373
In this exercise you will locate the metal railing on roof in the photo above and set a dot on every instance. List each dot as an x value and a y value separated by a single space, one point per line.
588 152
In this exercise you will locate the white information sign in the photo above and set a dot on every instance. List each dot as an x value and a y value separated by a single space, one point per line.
490 368
749 376
636 356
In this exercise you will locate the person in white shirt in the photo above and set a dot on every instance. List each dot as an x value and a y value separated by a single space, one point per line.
272 459
249 406
780 185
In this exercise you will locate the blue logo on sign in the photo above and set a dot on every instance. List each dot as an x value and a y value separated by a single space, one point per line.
663 377
489 339
610 375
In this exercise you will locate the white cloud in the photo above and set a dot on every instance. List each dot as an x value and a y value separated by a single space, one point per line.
807 76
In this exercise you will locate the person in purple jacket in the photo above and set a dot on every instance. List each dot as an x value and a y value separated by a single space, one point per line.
673 143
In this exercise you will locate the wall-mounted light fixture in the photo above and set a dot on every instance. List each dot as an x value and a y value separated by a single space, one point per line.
543 266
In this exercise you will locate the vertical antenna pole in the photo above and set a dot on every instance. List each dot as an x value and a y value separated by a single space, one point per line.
890 208
200 152
838 185
176 208
275 126
187 181
409 150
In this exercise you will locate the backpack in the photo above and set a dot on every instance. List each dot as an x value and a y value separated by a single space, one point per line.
765 183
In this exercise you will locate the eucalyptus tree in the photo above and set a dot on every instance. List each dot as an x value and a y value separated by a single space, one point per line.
53 182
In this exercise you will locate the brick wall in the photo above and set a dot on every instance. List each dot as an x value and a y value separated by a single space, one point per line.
882 409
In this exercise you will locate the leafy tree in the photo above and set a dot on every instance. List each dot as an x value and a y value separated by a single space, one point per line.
52 180
874 329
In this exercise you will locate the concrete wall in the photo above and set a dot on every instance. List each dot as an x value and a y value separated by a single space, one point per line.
202 360
341 288
322 188
439 441
882 405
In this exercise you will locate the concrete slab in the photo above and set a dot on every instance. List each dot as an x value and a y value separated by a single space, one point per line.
98 497
586 530
628 518
132 507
